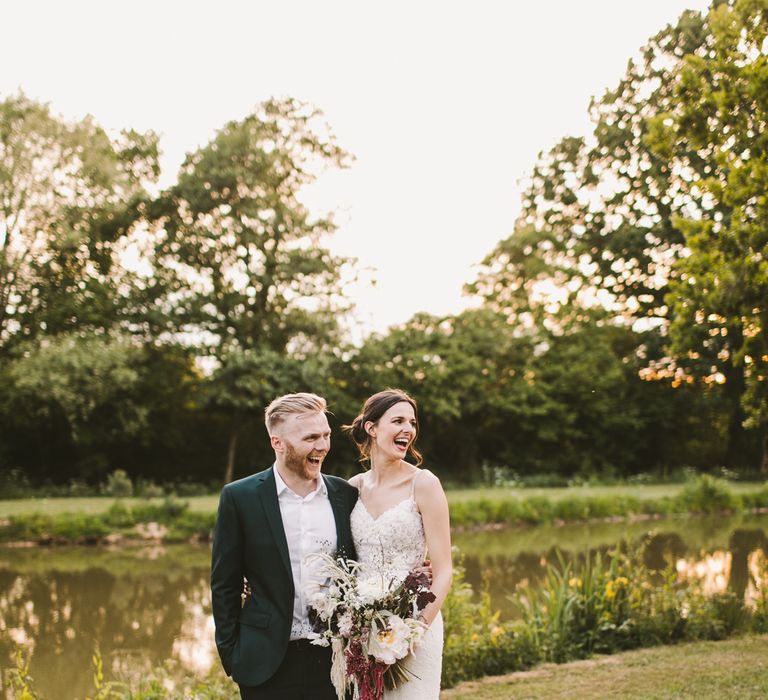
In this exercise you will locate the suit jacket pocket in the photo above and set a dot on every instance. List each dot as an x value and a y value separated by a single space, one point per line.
253 617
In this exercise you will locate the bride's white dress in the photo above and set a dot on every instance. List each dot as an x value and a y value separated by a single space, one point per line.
394 544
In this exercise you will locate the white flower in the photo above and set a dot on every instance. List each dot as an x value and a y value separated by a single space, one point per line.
389 639
371 589
324 604
345 623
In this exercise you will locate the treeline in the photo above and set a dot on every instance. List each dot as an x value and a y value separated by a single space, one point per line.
620 329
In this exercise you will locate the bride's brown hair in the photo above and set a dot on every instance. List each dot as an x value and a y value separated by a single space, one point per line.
373 409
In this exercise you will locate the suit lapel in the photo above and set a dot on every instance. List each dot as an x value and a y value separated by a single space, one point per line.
340 515
268 495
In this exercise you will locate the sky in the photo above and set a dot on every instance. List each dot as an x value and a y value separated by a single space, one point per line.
445 105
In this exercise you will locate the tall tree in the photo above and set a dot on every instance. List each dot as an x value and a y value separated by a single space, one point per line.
600 217
68 194
242 255
720 293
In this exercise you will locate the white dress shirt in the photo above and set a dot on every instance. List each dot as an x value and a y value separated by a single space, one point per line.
309 528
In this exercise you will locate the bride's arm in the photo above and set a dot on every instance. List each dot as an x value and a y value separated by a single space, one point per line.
433 506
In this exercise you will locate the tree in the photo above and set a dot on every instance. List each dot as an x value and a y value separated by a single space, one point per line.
88 385
601 218
68 194
80 406
720 292
241 257
465 371
605 205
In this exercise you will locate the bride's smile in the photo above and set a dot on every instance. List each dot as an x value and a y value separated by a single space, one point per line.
393 434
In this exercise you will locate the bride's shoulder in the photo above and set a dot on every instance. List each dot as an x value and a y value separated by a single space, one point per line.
429 495
356 480
424 479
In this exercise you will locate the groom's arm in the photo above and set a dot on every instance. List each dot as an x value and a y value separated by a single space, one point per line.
227 566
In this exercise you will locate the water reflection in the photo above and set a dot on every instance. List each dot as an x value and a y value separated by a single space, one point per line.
721 554
141 607
137 607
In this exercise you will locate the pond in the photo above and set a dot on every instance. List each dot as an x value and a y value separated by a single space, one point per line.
141 607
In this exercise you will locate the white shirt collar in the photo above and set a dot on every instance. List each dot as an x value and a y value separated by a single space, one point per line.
321 488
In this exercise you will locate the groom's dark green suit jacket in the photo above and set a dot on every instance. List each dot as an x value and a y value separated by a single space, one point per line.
249 541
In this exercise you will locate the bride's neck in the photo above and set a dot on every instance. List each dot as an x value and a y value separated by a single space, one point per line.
384 470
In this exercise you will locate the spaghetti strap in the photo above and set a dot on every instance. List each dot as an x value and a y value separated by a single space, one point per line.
413 485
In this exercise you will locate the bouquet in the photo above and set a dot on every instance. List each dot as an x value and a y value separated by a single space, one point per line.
371 624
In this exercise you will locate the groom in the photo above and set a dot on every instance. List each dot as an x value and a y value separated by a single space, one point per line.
266 526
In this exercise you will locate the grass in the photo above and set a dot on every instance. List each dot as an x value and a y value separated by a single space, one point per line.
641 491
208 504
736 668
94 505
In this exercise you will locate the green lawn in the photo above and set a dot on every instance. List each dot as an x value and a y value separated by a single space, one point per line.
52 506
639 491
736 668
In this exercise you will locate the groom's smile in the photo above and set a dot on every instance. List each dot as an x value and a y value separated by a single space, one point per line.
305 441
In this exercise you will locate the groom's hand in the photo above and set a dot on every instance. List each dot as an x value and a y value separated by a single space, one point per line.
247 592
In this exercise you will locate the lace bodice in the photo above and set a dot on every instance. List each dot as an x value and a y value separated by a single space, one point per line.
392 544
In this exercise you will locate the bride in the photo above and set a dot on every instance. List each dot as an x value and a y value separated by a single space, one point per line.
401 514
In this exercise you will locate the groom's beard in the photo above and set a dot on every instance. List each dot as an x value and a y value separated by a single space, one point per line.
298 464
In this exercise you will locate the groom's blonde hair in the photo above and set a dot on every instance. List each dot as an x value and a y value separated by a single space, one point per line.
292 404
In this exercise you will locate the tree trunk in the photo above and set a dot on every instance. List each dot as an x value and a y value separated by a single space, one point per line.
234 435
764 463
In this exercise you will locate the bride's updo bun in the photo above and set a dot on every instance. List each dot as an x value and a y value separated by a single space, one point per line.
357 431
373 409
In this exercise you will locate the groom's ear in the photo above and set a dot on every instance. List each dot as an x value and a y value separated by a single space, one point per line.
277 443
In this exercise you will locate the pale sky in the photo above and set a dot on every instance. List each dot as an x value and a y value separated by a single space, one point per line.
445 105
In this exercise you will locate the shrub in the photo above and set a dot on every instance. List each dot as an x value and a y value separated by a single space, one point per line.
78 526
536 510
706 494
14 484
148 489
756 499
78 489
476 643
716 617
192 524
119 516
164 512
33 526
188 488
118 484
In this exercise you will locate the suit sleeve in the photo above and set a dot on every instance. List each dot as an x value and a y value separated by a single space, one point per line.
226 577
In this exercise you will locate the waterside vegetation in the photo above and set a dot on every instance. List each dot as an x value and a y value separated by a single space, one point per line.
173 520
